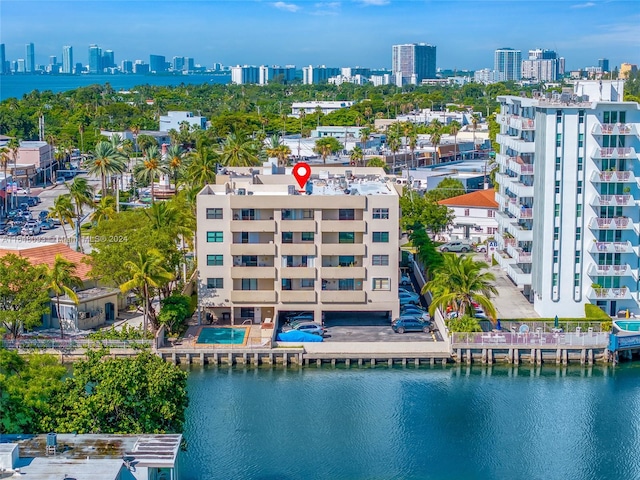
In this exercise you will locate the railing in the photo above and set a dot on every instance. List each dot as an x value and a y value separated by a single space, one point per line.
613 247
610 223
530 339
621 292
610 270
615 200
613 128
613 152
72 344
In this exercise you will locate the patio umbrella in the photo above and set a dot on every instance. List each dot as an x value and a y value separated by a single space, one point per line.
498 326
555 322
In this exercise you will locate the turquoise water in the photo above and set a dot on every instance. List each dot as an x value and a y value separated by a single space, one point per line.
18 85
629 326
222 335
413 424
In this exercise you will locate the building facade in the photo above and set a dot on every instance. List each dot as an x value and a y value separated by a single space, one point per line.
172 120
507 64
30 65
320 74
474 215
67 59
95 59
157 64
413 62
265 249
568 218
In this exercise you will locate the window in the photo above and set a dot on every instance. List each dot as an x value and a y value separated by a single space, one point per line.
556 233
558 139
578 233
555 256
346 214
466 212
556 212
623 117
557 164
381 213
346 284
307 236
214 214
580 163
244 237
380 237
214 237
491 213
214 260
346 260
247 312
215 283
287 237
307 283
249 284
581 140
380 260
249 260
492 230
578 257
247 214
581 116
576 280
307 214
346 237
579 188
557 186
286 284
381 284
555 279
578 211
558 116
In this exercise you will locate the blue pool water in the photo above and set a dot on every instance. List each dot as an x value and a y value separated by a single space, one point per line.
223 335
628 325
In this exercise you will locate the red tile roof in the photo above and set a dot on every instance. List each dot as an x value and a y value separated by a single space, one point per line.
478 199
46 254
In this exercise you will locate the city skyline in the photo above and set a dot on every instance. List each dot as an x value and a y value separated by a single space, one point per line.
306 32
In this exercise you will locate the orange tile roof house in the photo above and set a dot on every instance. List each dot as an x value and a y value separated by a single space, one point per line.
46 254
474 215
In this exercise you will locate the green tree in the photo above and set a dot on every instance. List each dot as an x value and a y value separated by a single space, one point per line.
63 211
428 255
239 151
394 142
454 129
175 162
459 282
279 150
464 324
172 218
106 161
174 311
327 146
378 162
145 142
150 168
147 274
81 194
356 156
447 188
201 166
61 279
23 294
105 209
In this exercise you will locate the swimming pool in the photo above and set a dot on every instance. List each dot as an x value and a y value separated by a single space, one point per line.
628 325
223 335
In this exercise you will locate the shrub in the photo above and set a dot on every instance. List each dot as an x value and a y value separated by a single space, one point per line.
464 324
594 312
174 311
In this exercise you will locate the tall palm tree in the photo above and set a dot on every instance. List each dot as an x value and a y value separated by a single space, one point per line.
63 211
106 161
150 168
175 162
202 165
147 273
475 121
459 282
326 146
393 142
81 194
61 278
237 150
357 156
454 129
105 209
279 150
364 136
169 217
5 157
435 138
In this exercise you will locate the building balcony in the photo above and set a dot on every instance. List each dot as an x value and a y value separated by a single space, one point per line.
346 249
520 211
335 273
617 223
615 176
611 247
615 129
253 272
262 226
519 277
521 123
262 249
298 296
297 272
308 249
518 254
343 296
502 160
612 152
515 143
298 226
503 119
613 201
621 293
522 190
611 271
344 226
520 233
253 296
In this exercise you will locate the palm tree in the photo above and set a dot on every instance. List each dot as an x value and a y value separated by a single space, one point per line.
435 138
169 217
105 209
201 166
459 282
378 162
364 136
175 162
62 210
4 161
279 150
81 194
326 146
61 278
107 160
393 142
237 150
475 121
454 129
147 273
357 156
150 168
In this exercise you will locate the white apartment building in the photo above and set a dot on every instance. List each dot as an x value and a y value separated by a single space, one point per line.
173 120
309 108
264 247
568 198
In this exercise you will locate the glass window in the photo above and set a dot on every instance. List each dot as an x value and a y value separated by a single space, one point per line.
307 214
558 139
578 233
346 237
214 237
346 260
580 163
606 118
249 260
380 237
307 282
287 214
581 116
249 284
248 214
579 188
214 260
491 213
380 260
466 212
623 117
555 279
556 212
287 237
307 236
346 214
557 186
286 284
214 283
555 256
578 211
381 284
247 312
581 140
557 164
214 214
381 213
346 284
558 116
576 280
556 233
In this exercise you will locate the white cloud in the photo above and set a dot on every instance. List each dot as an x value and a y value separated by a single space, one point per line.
584 5
375 3
326 8
289 7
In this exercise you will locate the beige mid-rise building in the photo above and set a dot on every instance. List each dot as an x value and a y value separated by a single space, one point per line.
266 248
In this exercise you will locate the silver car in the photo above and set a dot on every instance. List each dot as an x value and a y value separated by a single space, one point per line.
309 327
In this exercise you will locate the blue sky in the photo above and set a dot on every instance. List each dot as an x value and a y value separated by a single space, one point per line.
335 33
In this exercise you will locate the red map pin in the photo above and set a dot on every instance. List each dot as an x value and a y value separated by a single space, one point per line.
302 172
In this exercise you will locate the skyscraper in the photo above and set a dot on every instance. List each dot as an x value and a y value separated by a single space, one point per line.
603 63
178 63
413 62
108 59
541 66
3 60
95 59
67 59
30 64
507 64
157 64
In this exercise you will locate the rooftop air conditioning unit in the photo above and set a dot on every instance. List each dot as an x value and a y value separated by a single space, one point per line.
242 191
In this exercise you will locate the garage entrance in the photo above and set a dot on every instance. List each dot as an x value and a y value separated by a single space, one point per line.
366 318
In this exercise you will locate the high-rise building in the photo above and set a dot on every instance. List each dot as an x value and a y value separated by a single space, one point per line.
507 64
568 190
321 74
140 68
20 66
67 59
627 69
241 75
30 64
603 63
3 60
126 66
108 59
157 64
541 66
325 251
95 59
189 64
413 62
486 76
177 64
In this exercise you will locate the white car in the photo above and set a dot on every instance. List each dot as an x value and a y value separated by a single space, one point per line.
408 297
405 279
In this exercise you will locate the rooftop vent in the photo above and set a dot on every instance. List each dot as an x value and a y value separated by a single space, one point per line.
242 191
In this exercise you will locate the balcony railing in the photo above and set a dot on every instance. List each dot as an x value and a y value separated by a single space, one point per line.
610 270
614 129
518 254
611 293
613 176
617 223
613 152
613 200
612 247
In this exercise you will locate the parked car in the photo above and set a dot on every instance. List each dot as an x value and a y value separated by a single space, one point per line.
14 231
413 311
60 180
309 327
410 324
301 317
456 246
408 297
482 247
30 229
45 224
24 206
43 215
405 279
